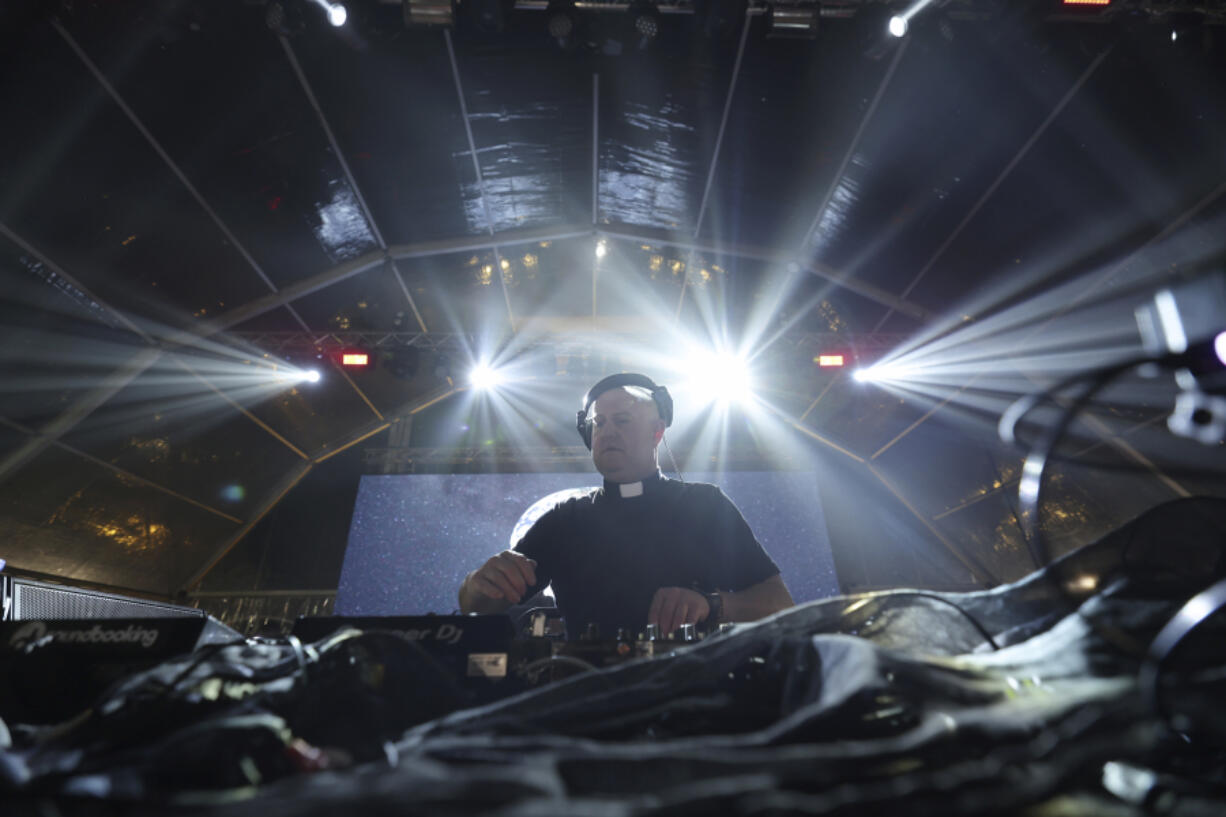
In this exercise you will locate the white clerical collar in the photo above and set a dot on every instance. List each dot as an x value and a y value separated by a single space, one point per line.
630 489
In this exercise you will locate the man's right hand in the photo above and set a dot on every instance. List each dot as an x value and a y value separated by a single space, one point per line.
505 577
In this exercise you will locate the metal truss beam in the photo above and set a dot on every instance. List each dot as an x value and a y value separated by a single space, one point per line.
841 279
854 145
296 475
1000 179
122 472
353 183
719 142
107 388
485 197
370 260
170 163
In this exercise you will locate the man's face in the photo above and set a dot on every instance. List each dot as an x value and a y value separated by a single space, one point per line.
624 436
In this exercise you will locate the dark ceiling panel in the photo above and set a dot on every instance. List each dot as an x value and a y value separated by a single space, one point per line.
65 516
171 429
1090 191
389 97
243 132
370 300
531 116
797 105
660 113
100 203
944 133
56 342
275 320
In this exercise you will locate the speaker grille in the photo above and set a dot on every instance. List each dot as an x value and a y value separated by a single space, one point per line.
35 600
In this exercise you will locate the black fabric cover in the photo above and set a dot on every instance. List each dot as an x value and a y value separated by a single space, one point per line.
885 703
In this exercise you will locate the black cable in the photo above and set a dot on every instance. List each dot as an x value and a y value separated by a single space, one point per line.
1199 609
1030 494
1027 403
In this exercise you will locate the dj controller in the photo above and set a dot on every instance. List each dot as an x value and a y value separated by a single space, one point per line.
57 668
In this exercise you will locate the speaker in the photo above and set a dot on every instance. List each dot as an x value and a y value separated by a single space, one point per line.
61 647
27 599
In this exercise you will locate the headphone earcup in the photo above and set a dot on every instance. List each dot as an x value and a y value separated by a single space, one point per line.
585 431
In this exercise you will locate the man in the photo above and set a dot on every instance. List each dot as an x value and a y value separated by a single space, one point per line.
641 549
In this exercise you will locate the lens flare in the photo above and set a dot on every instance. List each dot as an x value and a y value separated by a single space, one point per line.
721 378
485 378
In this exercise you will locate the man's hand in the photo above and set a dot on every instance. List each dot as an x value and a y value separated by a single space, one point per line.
673 606
505 577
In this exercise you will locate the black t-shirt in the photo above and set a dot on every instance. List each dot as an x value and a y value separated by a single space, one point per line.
607 554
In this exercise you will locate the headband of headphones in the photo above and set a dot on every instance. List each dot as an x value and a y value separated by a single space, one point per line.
663 400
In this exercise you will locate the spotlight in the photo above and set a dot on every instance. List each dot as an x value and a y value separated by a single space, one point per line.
561 14
646 18
354 358
602 248
1187 319
898 26
311 376
337 15
429 13
485 378
721 378
793 22
862 376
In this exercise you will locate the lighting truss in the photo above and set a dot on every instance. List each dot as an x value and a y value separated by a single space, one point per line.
454 342
1213 12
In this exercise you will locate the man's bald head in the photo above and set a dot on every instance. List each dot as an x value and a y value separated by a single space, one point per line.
626 428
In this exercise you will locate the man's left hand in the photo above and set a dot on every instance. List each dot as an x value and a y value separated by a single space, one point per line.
673 606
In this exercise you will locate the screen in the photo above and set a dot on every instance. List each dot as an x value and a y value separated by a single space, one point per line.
414 537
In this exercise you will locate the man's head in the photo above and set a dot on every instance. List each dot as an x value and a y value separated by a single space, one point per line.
626 427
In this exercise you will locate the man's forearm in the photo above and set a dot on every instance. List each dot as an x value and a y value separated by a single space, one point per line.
759 601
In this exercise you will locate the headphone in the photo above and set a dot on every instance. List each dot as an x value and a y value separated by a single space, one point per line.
663 400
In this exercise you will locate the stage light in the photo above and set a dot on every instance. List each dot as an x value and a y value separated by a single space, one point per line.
429 13
646 19
298 375
561 23
1086 2
793 22
602 248
484 378
1219 347
862 376
720 378
829 360
337 14
898 26
356 360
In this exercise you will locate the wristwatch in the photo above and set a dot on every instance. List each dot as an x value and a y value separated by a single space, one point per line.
716 603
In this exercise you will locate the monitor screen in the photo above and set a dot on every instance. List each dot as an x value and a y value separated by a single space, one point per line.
414 537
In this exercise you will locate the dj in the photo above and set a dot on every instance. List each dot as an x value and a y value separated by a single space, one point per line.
642 549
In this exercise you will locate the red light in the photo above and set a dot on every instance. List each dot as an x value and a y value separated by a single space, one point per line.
355 359
829 360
